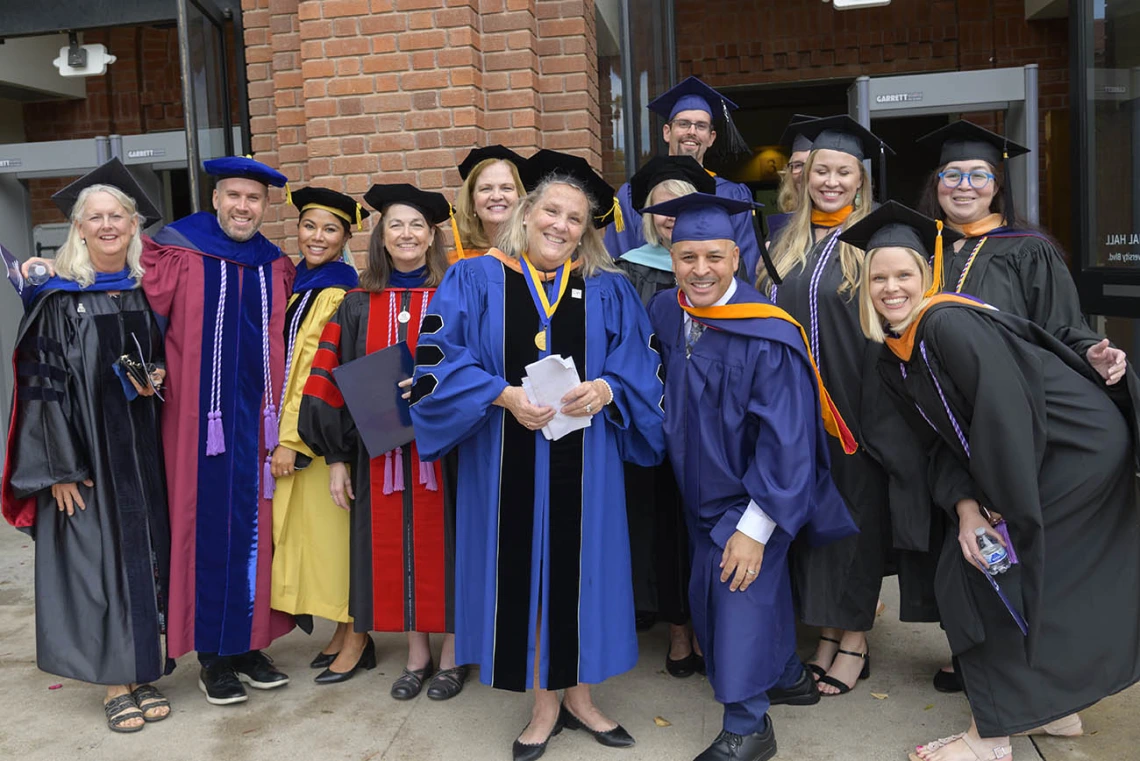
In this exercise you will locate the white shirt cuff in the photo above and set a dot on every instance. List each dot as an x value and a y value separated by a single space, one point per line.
755 524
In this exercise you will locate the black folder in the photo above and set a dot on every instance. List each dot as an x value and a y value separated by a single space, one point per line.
375 401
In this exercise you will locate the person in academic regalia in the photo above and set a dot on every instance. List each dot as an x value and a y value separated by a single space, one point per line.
692 111
1001 260
83 463
310 532
837 586
494 179
659 543
745 433
403 511
1036 447
222 289
543 593
791 176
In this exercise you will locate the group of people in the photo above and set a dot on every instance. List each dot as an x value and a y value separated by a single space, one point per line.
760 432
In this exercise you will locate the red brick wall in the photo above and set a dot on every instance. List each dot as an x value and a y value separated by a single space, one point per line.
345 93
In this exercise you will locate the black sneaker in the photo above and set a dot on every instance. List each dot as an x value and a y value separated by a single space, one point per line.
220 685
255 668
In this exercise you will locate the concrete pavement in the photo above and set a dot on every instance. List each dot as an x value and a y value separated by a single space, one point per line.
358 721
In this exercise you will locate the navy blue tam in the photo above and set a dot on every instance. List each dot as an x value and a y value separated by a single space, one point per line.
245 168
701 216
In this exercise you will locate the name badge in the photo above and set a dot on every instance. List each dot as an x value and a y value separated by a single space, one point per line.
575 293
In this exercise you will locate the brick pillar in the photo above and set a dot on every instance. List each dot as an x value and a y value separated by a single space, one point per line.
569 78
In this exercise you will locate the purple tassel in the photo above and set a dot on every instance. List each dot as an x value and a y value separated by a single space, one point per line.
427 476
387 473
215 437
268 484
398 467
270 419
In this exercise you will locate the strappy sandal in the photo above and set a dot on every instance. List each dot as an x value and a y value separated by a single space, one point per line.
447 683
119 711
981 752
409 683
1066 726
819 671
841 686
148 698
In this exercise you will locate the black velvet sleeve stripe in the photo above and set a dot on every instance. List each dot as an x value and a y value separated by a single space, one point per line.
328 345
33 369
40 394
428 355
41 344
431 324
423 387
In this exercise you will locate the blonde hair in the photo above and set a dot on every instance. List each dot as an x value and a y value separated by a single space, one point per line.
378 268
677 188
591 249
870 320
471 232
73 262
787 199
791 247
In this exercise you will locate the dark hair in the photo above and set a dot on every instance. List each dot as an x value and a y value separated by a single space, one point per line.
378 270
928 201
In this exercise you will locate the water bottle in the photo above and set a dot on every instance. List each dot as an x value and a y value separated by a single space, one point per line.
38 274
993 552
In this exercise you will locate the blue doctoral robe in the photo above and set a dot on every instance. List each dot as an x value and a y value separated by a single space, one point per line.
743 423
541 525
634 236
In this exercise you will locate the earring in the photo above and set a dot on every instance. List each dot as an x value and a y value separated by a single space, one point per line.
83 241
858 196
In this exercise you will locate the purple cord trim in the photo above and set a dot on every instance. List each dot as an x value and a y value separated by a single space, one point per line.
945 404
813 298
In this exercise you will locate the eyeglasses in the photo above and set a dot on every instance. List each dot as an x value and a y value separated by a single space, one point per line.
952 178
684 125
795 167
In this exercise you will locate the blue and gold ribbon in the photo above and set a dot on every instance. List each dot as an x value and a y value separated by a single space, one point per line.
535 285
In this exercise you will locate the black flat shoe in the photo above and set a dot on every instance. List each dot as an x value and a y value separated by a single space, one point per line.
527 752
447 683
611 738
947 681
805 692
366 661
644 621
759 746
323 660
409 683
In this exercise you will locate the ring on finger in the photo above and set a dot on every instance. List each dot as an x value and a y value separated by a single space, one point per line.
751 573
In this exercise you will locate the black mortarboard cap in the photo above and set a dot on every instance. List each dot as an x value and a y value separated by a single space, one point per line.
546 163
112 173
340 205
894 224
794 136
844 134
499 152
433 206
694 95
661 168
963 141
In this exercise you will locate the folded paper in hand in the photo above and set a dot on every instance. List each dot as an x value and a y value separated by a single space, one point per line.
546 382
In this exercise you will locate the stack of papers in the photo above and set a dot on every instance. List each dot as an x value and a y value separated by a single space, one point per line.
546 382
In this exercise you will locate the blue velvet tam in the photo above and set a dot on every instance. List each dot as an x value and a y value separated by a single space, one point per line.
691 95
701 216
246 168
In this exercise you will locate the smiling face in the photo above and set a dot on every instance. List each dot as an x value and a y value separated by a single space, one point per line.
965 204
407 236
690 133
240 204
834 179
495 194
662 224
705 268
107 230
555 225
894 283
321 236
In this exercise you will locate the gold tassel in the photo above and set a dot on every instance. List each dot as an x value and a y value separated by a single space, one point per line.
288 194
936 281
455 232
359 222
619 220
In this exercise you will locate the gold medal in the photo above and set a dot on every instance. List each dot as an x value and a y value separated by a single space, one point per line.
540 340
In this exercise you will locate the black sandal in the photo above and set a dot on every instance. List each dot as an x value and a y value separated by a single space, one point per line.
120 710
409 683
815 668
149 694
842 687
447 683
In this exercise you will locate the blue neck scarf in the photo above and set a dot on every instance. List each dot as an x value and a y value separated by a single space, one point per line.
413 279
334 273
104 281
204 233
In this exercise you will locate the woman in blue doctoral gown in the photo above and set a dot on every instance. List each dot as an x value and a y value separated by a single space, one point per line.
543 592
